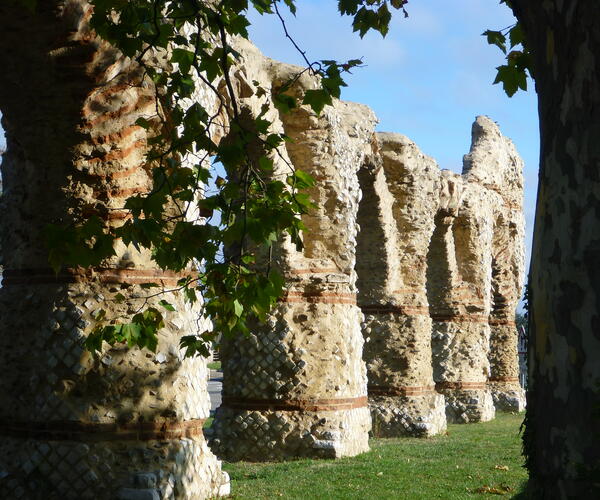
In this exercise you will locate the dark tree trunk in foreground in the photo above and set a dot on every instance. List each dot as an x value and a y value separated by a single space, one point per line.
562 439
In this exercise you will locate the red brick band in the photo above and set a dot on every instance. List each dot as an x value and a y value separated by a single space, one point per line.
378 390
319 297
82 275
143 101
504 379
460 318
117 136
410 289
119 154
403 310
94 432
124 192
336 404
460 385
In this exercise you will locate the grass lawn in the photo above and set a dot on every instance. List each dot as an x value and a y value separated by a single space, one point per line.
471 461
214 365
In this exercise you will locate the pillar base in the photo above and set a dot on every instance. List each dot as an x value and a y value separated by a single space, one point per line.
182 469
508 396
464 406
266 435
415 416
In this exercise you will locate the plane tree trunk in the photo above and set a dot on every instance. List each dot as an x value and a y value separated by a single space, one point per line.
563 419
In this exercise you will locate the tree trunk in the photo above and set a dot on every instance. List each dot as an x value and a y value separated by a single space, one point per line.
563 419
128 423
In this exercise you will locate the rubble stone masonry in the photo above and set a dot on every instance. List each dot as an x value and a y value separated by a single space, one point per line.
439 260
400 185
126 424
297 386
440 267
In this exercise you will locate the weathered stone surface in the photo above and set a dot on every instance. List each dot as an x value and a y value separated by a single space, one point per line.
494 162
297 385
482 237
76 426
460 322
440 266
396 219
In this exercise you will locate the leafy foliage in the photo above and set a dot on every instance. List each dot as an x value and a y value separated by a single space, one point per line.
253 209
519 63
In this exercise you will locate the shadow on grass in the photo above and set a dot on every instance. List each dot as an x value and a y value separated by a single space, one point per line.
524 493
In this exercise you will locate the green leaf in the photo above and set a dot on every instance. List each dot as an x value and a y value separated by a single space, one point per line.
291 6
266 164
516 35
184 58
317 99
119 298
510 78
303 179
168 306
284 103
238 308
496 38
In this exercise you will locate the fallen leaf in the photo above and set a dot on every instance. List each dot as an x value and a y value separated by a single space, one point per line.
501 467
503 489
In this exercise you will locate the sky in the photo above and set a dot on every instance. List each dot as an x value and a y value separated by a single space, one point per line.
427 79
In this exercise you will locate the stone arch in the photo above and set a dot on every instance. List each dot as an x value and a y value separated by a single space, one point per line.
396 209
459 294
441 268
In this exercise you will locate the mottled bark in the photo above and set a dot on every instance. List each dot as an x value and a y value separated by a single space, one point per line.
127 423
563 423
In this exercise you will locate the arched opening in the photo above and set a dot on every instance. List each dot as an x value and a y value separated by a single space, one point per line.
441 271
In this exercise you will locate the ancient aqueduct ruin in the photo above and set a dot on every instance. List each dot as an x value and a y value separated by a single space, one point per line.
398 317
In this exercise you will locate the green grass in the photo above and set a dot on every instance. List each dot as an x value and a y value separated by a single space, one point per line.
471 461
214 365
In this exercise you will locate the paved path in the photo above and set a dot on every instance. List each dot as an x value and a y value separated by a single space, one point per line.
215 385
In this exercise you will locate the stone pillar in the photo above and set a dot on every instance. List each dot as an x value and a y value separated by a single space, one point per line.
459 274
396 219
506 287
494 162
296 387
126 424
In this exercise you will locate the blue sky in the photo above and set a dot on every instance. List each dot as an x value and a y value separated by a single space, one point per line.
428 79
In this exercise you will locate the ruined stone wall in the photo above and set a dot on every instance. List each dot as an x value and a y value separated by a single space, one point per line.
460 319
396 220
440 267
127 424
297 385
494 163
